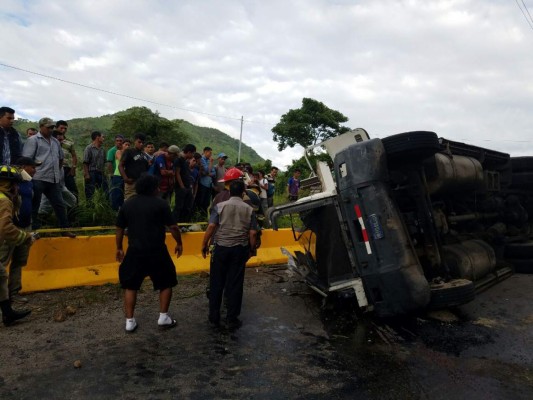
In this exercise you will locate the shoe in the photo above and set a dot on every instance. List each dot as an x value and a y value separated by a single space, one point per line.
69 235
131 325
169 325
17 298
233 324
9 318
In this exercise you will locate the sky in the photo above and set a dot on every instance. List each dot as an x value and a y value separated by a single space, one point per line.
460 68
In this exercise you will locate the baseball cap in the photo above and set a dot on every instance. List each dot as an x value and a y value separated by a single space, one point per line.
27 161
48 122
222 155
174 149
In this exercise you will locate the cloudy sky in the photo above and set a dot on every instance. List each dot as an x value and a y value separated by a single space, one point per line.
461 68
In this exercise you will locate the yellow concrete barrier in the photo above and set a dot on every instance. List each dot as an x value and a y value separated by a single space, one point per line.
57 263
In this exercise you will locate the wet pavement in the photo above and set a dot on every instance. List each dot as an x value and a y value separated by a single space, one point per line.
292 345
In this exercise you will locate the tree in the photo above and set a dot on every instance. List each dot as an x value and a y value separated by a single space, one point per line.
144 120
314 122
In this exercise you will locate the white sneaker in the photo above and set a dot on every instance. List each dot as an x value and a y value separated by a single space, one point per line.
166 322
131 325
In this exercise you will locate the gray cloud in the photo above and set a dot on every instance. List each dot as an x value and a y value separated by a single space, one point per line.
460 68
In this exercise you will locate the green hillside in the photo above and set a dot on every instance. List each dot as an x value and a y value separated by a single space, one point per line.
79 130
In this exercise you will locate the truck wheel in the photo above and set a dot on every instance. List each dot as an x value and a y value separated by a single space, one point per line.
411 146
519 250
522 164
451 294
522 266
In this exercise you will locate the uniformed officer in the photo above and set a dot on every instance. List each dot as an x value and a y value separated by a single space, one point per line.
233 227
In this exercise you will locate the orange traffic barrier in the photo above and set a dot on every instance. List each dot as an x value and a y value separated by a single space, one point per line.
59 262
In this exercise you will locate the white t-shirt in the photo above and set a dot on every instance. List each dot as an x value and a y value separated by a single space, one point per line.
262 183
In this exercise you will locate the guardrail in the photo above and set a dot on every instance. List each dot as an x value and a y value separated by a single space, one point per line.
58 262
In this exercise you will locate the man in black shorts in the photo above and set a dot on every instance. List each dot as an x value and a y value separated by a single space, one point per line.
146 216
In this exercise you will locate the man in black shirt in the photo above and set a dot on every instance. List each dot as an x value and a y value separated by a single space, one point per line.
146 216
133 164
184 198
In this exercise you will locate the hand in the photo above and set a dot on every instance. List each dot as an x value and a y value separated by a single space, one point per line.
129 181
205 250
87 177
120 255
72 171
178 250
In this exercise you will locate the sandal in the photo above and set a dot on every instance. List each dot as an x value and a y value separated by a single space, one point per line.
168 326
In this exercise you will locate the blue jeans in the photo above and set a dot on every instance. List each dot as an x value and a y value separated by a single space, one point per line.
116 192
53 192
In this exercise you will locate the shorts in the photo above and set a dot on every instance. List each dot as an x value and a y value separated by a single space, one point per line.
156 264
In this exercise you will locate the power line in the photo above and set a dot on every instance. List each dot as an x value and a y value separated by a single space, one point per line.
529 20
130 97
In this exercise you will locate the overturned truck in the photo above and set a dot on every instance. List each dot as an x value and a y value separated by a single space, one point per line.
412 221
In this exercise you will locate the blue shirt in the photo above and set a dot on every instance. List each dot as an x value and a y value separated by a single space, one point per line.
23 219
49 153
207 180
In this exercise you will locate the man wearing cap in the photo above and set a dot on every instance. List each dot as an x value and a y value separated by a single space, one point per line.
10 143
16 255
45 150
220 170
164 170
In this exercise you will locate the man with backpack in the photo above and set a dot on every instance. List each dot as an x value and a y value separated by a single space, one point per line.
163 168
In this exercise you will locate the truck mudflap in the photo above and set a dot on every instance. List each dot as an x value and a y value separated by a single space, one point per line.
314 283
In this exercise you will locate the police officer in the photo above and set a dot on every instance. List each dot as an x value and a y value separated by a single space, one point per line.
233 227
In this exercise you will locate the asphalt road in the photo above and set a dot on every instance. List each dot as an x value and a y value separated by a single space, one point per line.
291 346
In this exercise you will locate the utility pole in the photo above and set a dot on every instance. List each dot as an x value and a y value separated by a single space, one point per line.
240 141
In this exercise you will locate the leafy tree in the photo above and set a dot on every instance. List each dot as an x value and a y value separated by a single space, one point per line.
312 123
144 120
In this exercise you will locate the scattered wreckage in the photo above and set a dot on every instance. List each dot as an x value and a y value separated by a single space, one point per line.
411 221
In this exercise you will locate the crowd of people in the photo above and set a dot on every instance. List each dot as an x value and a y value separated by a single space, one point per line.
37 173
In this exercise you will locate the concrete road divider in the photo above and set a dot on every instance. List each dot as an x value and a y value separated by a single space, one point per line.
57 263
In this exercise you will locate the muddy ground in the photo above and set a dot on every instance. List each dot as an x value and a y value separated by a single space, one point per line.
291 346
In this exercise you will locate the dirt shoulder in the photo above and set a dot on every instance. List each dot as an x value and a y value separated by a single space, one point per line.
291 345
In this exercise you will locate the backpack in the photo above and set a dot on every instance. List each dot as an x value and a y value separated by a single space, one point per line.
271 189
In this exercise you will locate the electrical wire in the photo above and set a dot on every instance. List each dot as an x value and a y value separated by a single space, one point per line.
130 97
529 20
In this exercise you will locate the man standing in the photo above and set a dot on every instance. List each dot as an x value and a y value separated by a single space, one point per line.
16 255
70 160
116 191
10 143
132 165
233 227
293 185
164 171
9 177
146 216
220 170
271 186
207 175
183 200
46 151
93 165
31 132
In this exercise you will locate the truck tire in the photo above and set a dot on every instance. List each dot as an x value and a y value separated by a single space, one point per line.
522 164
519 250
411 146
451 294
522 266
